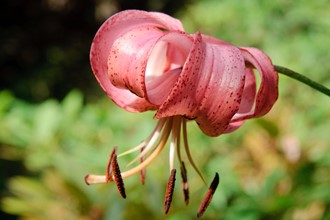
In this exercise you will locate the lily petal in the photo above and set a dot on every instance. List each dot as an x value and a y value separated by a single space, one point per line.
268 89
224 90
109 32
165 64
247 101
145 61
249 92
181 100
210 86
129 56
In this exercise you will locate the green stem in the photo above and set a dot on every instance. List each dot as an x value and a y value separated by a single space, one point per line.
303 79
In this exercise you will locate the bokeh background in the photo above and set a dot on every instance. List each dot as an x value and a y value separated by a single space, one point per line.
56 124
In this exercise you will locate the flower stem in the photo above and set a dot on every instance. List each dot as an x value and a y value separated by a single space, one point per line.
303 79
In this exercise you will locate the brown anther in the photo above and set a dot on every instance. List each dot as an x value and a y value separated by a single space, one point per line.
185 186
143 171
108 172
169 191
208 197
117 176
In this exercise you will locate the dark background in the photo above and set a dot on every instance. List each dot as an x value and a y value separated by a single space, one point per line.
45 43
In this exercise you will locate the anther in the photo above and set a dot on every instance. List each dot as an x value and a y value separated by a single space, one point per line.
185 185
208 197
108 169
117 176
169 191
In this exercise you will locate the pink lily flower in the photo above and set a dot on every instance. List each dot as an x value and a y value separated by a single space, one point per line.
145 61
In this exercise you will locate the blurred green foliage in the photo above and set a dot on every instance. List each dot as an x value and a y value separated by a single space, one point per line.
276 167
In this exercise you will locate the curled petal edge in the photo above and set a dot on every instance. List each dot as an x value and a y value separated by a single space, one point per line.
268 89
107 34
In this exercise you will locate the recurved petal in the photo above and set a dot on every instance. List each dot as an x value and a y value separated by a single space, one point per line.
247 101
210 86
224 64
128 58
165 65
268 88
109 32
181 100
249 92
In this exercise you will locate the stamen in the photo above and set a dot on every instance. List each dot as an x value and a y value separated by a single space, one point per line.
96 179
185 185
186 147
169 191
154 154
117 176
151 140
164 126
209 195
174 139
108 172
167 126
154 137
139 147
178 147
143 171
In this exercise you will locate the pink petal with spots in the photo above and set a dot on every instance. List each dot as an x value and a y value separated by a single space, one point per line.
222 97
144 61
128 59
165 64
247 101
110 32
210 86
268 88
181 99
